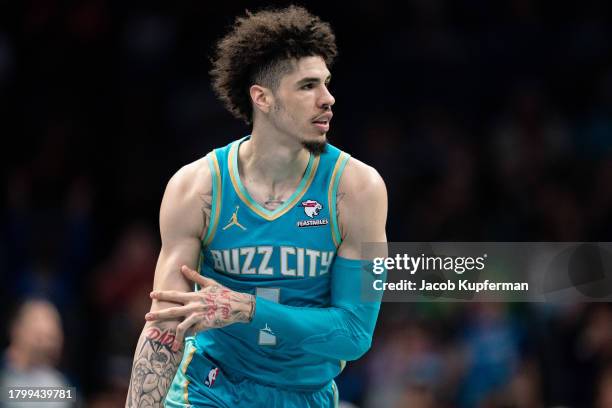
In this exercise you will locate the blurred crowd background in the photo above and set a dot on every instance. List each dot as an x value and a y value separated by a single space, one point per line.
488 120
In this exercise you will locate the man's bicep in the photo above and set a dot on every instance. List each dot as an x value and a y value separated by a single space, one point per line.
363 212
181 223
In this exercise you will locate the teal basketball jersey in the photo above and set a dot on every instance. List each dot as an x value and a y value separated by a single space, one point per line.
283 255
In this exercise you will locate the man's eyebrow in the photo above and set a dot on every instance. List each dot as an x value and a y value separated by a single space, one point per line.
312 80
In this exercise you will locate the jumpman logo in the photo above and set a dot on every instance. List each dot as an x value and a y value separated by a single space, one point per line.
234 220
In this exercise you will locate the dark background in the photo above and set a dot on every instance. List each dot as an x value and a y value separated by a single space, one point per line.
488 120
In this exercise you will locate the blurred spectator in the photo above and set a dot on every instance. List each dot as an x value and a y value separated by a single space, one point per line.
603 396
36 341
406 369
524 388
491 343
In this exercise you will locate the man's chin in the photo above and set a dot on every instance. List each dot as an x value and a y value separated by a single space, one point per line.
317 146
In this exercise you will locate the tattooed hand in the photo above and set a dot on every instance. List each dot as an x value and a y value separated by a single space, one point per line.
213 306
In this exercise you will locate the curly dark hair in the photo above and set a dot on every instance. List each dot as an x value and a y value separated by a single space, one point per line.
260 49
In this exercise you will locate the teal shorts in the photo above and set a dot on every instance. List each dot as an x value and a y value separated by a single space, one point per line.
200 383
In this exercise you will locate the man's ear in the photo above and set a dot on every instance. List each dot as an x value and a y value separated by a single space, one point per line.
262 97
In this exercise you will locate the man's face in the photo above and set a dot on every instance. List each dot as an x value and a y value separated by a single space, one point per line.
302 103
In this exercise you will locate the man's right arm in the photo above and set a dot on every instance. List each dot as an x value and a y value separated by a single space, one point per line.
183 220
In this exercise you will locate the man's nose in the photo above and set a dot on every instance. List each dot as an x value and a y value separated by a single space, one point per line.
327 99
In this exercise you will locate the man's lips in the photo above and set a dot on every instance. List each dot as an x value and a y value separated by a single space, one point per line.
324 118
323 126
322 121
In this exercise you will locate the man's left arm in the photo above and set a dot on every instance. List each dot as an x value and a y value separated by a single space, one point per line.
342 331
345 329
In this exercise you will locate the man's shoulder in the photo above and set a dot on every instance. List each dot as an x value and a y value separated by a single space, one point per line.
362 208
359 176
192 178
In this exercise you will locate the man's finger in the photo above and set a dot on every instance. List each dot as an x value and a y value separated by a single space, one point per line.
172 296
171 313
196 277
183 327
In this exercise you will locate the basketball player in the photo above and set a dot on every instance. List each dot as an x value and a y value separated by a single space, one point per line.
273 223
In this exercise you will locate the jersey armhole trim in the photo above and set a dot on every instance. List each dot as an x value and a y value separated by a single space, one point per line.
184 369
213 221
179 389
331 196
336 395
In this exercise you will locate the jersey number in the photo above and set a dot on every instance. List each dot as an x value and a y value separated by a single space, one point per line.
266 338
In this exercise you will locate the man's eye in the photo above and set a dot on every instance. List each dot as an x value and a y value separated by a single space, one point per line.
307 86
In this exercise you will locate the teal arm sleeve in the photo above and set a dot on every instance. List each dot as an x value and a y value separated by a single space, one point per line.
342 331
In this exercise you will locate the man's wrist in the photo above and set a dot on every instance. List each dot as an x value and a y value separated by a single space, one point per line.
253 305
246 308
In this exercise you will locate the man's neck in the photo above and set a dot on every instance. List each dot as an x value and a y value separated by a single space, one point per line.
272 159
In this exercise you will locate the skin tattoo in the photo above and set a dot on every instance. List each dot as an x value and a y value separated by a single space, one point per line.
154 368
213 306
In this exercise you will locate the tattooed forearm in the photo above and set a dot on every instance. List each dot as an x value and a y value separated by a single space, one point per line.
154 367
